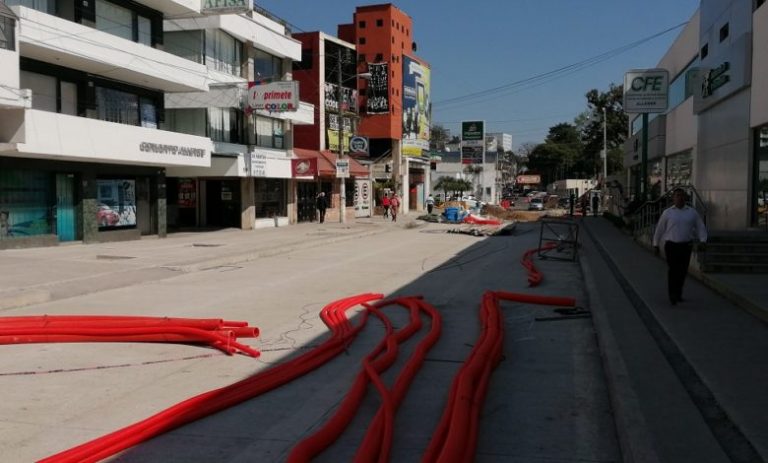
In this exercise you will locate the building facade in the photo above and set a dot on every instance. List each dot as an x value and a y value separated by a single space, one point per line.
714 135
82 152
395 102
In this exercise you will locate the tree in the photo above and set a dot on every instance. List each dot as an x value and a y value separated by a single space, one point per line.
446 184
616 128
559 155
438 137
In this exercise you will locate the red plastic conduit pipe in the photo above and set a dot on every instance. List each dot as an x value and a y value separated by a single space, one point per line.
202 405
534 276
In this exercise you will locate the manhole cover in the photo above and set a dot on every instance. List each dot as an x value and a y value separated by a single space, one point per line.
206 245
105 257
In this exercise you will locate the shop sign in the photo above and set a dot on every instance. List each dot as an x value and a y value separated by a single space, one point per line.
358 145
258 164
472 131
714 79
304 167
224 6
174 150
275 97
528 179
646 91
342 168
187 193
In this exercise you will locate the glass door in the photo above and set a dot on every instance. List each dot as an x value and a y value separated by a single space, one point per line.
65 207
761 178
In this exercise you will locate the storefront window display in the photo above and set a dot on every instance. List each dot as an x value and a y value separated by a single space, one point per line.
25 203
679 170
271 198
116 203
761 178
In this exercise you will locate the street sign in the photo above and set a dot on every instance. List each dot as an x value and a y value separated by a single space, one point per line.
342 168
646 91
358 145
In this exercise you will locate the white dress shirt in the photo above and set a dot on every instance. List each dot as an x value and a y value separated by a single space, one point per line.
679 225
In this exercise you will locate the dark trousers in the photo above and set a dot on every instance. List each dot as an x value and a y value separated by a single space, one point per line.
322 215
678 258
386 211
429 208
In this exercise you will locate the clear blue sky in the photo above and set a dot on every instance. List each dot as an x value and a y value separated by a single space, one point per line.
483 44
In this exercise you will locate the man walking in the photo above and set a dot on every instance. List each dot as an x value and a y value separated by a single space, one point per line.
385 203
322 205
430 202
676 230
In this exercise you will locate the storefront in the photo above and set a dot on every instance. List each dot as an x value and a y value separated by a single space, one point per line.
760 188
271 169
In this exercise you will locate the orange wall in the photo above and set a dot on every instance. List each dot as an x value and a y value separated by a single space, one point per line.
393 39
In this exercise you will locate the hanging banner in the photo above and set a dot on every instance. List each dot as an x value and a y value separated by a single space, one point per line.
378 89
417 107
348 98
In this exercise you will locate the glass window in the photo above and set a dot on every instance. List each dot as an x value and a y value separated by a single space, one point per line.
7 37
117 106
46 6
43 90
637 122
269 132
679 169
761 177
148 113
26 197
186 44
224 125
270 198
145 31
681 87
114 19
223 52
270 67
68 98
191 121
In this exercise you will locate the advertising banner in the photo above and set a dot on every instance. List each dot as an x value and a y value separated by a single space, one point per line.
275 97
528 179
472 142
417 107
304 168
116 203
363 190
348 98
187 193
378 89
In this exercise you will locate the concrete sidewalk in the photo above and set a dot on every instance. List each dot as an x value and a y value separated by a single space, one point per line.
687 381
37 275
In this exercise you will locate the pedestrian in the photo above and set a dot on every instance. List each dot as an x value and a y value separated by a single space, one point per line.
584 205
385 202
394 205
572 202
430 202
676 230
595 204
322 204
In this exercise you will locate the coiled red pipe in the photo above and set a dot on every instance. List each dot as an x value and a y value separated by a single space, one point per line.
534 276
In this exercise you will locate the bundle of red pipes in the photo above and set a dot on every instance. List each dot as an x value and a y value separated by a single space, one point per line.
218 333
455 439
534 276
480 221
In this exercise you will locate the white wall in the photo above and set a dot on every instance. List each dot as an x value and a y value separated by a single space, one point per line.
60 136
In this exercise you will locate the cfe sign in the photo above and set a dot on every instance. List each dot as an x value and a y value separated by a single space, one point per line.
646 90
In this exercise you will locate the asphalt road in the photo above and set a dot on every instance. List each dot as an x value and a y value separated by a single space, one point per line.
547 401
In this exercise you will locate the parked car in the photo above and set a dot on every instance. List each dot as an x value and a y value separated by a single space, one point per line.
536 204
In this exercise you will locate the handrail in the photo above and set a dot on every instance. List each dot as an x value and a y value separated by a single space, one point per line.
647 215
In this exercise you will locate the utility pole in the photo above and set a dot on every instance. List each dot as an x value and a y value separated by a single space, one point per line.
342 180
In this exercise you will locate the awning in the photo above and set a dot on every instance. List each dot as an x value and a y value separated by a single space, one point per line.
326 162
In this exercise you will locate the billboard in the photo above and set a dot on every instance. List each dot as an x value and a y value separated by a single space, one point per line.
472 142
274 97
417 107
378 89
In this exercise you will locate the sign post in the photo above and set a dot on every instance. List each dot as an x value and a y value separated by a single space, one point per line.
646 91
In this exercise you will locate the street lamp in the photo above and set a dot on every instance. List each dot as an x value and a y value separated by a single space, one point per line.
605 146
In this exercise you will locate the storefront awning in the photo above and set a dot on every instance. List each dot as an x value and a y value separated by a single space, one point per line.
326 162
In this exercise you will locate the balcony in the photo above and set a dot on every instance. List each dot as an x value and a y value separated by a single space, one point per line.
173 7
261 32
65 43
48 135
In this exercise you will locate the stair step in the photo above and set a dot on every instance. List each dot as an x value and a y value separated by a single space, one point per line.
735 268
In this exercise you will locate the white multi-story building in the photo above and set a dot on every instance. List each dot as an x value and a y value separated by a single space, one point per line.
82 156
249 183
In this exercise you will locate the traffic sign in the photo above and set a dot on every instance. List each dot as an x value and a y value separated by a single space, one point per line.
342 168
646 91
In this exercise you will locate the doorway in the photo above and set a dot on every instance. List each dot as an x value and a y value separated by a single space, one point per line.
305 201
223 203
65 207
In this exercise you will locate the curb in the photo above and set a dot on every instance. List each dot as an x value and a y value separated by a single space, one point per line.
731 295
635 441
